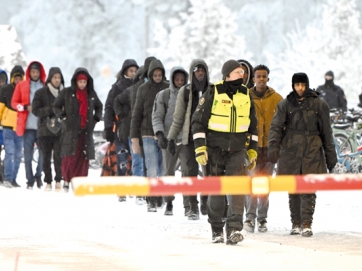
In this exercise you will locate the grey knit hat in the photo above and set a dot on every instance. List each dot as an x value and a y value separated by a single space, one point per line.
228 67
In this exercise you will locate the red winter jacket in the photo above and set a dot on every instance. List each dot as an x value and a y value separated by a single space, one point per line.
22 96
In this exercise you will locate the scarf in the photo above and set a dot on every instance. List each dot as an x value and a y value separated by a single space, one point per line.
233 86
53 90
82 96
199 86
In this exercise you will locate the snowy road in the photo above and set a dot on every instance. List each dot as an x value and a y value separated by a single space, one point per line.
56 231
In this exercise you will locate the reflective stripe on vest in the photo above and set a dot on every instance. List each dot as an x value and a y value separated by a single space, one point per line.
230 115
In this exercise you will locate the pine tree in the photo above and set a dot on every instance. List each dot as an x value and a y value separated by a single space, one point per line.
11 52
207 30
330 43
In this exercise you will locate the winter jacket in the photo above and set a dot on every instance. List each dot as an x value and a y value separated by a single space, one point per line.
22 96
302 133
123 107
9 115
43 104
227 141
182 117
333 95
143 79
265 108
66 106
141 124
162 114
117 88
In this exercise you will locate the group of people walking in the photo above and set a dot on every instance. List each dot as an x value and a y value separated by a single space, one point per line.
236 126
35 109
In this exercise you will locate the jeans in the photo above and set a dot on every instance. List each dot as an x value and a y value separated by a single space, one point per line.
122 151
228 164
153 159
49 145
29 140
254 202
137 161
13 152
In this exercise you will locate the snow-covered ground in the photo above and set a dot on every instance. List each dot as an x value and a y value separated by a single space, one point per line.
57 231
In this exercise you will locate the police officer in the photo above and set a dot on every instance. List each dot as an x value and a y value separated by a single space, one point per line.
223 117
333 94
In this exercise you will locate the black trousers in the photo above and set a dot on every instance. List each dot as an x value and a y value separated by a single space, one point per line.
49 145
190 168
302 208
224 163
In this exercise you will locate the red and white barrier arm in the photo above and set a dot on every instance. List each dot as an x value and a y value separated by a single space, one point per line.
232 185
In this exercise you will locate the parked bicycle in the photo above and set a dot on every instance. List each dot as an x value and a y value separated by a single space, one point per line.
347 132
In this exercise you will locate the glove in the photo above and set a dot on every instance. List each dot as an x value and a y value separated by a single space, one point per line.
201 155
109 135
273 155
252 154
135 145
96 119
162 140
20 108
171 147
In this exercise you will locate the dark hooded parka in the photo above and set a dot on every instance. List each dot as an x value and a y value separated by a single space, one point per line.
301 130
123 107
66 106
43 103
117 88
141 124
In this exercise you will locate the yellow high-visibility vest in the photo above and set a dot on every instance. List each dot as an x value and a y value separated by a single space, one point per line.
230 115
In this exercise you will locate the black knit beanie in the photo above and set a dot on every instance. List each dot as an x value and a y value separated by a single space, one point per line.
228 67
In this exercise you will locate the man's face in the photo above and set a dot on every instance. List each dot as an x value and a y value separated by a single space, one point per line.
246 74
261 79
17 79
81 84
34 74
2 83
200 73
157 76
236 74
300 88
56 80
328 77
179 79
131 72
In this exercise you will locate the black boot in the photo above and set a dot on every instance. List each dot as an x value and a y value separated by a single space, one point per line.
39 183
169 208
194 213
203 207
217 235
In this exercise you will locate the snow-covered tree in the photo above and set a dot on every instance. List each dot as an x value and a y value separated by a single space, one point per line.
330 43
98 35
207 30
11 52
